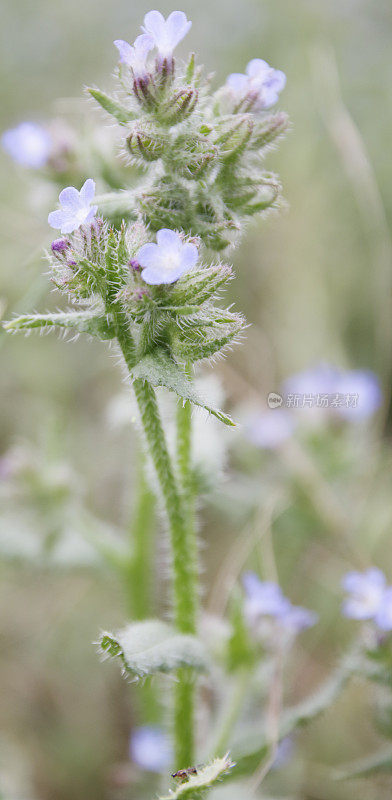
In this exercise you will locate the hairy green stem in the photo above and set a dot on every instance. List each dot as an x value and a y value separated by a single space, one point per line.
184 573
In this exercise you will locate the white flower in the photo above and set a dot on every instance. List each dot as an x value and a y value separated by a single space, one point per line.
167 260
166 34
135 56
76 208
261 84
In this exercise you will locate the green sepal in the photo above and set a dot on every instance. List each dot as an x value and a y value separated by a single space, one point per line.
207 343
205 778
199 286
151 647
81 321
122 114
159 369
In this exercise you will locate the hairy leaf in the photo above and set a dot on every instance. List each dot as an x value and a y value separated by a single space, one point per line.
81 321
205 777
152 646
160 370
113 107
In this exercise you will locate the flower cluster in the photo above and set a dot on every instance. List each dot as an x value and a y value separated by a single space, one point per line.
164 35
265 599
369 598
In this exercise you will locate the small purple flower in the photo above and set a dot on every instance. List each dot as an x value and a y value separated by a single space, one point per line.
135 56
261 84
366 591
270 429
266 599
262 598
166 34
167 260
28 144
150 749
76 208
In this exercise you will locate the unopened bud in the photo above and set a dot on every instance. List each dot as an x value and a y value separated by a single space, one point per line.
268 130
192 156
145 145
235 136
133 264
180 106
59 245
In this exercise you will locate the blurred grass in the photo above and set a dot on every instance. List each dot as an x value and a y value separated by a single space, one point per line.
314 282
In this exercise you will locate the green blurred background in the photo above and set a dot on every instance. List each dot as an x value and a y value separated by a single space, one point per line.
314 281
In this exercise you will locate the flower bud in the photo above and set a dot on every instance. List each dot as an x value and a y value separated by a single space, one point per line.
146 145
180 106
59 246
234 136
193 155
268 130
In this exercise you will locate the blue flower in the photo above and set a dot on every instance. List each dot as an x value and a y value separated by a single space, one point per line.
76 208
150 749
260 86
366 592
266 599
166 34
135 56
28 144
270 429
167 260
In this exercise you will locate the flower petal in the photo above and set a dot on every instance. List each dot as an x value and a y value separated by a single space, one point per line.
257 66
189 255
125 50
154 276
69 198
177 26
154 24
87 191
142 45
148 255
56 219
169 239
237 82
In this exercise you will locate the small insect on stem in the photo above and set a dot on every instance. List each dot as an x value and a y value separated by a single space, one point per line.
183 775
